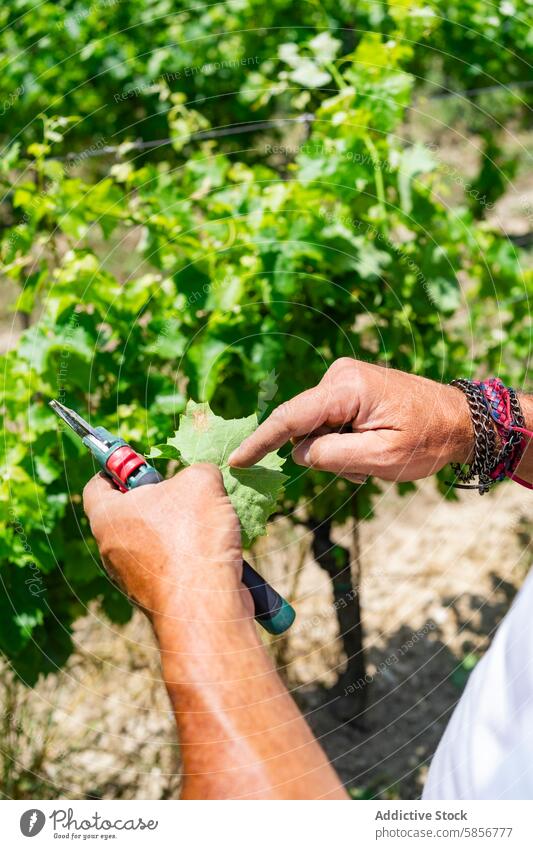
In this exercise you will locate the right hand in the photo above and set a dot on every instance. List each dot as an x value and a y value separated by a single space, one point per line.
175 547
403 427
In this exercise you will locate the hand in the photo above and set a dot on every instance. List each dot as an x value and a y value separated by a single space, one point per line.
403 427
175 547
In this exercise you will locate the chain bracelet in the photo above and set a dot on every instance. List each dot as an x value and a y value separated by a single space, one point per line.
485 454
490 464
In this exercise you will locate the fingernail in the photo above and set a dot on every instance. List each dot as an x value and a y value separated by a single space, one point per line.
232 456
357 479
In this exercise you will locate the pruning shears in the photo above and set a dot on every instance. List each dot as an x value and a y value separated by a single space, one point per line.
129 470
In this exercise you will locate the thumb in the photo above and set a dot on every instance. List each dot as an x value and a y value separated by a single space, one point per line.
344 453
98 492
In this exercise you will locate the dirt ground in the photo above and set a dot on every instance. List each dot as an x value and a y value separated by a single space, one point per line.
438 578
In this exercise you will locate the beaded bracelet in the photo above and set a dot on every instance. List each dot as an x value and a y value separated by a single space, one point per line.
495 411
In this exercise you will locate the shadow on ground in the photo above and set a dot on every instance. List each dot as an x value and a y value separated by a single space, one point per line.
383 750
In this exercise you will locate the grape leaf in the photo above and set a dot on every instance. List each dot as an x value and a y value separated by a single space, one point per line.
203 437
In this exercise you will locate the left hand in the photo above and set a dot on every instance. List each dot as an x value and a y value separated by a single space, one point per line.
402 427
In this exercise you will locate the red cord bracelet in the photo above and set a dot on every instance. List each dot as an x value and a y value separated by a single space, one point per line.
505 411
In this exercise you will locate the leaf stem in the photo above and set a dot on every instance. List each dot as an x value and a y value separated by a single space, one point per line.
378 178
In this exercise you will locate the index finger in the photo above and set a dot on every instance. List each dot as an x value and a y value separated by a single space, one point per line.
300 416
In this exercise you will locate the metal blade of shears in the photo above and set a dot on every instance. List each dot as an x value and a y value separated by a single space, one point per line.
76 423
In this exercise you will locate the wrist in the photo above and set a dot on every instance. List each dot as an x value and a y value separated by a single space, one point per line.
526 404
461 427
207 606
196 654
525 466
460 438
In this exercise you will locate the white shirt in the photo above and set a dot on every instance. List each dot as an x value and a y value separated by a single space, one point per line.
486 751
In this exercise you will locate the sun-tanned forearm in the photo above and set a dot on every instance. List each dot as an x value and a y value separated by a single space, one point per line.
241 735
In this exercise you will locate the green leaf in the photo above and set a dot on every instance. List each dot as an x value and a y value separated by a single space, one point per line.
116 606
205 362
164 451
416 160
203 437
371 261
308 74
21 606
168 405
444 293
463 670
170 341
325 47
9 158
289 54
254 493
